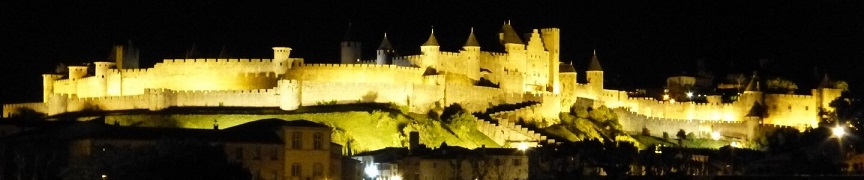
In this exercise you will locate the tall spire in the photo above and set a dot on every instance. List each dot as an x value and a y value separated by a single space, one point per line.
595 63
472 41
431 41
385 44
754 83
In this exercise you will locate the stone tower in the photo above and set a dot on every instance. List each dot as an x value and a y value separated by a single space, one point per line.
430 50
471 53
125 56
385 52
552 41
350 48
281 62
594 75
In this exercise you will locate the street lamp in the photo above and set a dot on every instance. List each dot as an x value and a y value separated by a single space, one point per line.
838 131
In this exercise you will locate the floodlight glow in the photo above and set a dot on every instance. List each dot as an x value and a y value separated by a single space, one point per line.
522 146
715 135
735 144
371 171
396 177
689 94
838 131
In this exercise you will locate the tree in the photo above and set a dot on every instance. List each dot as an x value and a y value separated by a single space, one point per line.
681 134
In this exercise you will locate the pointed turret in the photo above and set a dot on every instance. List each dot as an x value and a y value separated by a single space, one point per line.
385 44
385 52
754 83
595 63
350 47
431 41
594 75
472 41
508 35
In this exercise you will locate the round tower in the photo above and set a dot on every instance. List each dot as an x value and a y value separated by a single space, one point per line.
430 50
281 62
471 51
350 48
385 52
594 75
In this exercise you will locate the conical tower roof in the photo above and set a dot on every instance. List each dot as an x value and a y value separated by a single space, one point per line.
472 41
385 44
349 35
509 35
431 41
754 83
595 63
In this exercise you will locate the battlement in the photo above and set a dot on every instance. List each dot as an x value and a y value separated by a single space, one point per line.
169 61
790 96
550 30
129 72
360 66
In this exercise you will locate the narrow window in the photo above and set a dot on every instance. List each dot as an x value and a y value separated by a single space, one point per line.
318 141
517 162
297 140
275 155
295 169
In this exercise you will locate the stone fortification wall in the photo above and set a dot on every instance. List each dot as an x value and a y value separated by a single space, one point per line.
356 73
321 93
508 134
791 110
542 114
473 98
687 110
427 97
13 109
219 65
237 98
632 122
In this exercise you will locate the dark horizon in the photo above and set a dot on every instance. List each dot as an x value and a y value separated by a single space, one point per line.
639 43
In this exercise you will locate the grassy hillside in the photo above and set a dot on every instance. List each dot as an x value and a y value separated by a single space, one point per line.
366 128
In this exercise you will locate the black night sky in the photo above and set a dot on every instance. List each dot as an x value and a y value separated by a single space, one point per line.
639 43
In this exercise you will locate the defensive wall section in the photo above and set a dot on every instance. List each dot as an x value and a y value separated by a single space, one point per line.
633 122
791 110
509 134
356 73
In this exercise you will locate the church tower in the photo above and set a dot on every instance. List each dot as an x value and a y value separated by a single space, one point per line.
471 56
350 48
430 50
594 75
385 52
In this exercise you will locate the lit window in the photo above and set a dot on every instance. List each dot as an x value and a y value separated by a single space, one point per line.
318 140
297 140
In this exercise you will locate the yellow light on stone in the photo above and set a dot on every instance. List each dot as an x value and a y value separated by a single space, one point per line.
715 135
522 146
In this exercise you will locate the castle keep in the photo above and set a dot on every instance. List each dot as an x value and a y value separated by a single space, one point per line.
528 69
